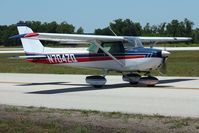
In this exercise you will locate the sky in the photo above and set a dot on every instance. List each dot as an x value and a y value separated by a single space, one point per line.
93 14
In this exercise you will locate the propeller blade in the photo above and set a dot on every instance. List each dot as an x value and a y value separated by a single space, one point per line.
163 67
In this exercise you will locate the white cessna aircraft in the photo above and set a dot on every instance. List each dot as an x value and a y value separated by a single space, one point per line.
124 54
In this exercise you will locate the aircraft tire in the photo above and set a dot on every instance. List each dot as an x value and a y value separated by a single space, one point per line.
133 83
97 86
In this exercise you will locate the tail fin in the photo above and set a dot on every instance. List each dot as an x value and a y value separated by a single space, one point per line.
29 45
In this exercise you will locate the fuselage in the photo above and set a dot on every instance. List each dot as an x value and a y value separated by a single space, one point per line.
135 59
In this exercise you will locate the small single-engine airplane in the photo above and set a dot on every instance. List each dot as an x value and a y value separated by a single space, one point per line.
124 54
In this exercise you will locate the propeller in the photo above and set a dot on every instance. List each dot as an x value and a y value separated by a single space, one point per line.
163 67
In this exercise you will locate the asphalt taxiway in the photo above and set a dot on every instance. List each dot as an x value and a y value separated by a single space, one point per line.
173 96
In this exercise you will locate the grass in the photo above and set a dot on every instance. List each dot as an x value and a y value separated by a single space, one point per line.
28 126
20 126
183 64
45 120
179 123
178 64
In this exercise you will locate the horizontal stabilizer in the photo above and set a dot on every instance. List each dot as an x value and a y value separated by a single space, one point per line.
11 52
29 57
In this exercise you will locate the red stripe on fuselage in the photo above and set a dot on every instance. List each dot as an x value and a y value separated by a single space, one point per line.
85 59
88 59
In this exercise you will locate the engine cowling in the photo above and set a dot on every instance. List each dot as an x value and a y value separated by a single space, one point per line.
96 81
149 81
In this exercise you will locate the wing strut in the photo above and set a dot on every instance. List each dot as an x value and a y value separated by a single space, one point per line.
98 44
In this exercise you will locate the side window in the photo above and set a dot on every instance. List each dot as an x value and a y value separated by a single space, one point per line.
107 46
116 47
128 46
93 48
138 43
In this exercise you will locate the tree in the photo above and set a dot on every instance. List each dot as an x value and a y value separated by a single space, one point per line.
51 27
5 33
147 30
196 35
188 27
80 30
121 27
64 27
162 29
105 31
183 28
175 28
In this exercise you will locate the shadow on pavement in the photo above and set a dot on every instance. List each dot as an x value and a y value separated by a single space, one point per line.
85 87
166 81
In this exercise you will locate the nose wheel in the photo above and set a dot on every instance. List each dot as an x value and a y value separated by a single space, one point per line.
149 81
135 79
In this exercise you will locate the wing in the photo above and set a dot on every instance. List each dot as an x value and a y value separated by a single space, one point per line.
164 39
70 38
178 48
85 39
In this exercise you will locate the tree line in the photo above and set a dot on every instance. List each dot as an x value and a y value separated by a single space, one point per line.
121 27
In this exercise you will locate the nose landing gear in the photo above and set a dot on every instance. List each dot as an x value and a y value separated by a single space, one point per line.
149 81
137 79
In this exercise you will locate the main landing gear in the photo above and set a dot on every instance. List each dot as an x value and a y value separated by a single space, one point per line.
96 81
132 78
137 79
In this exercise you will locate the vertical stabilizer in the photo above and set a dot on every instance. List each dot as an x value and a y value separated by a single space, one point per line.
29 45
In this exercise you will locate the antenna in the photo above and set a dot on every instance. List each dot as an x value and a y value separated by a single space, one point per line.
112 30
